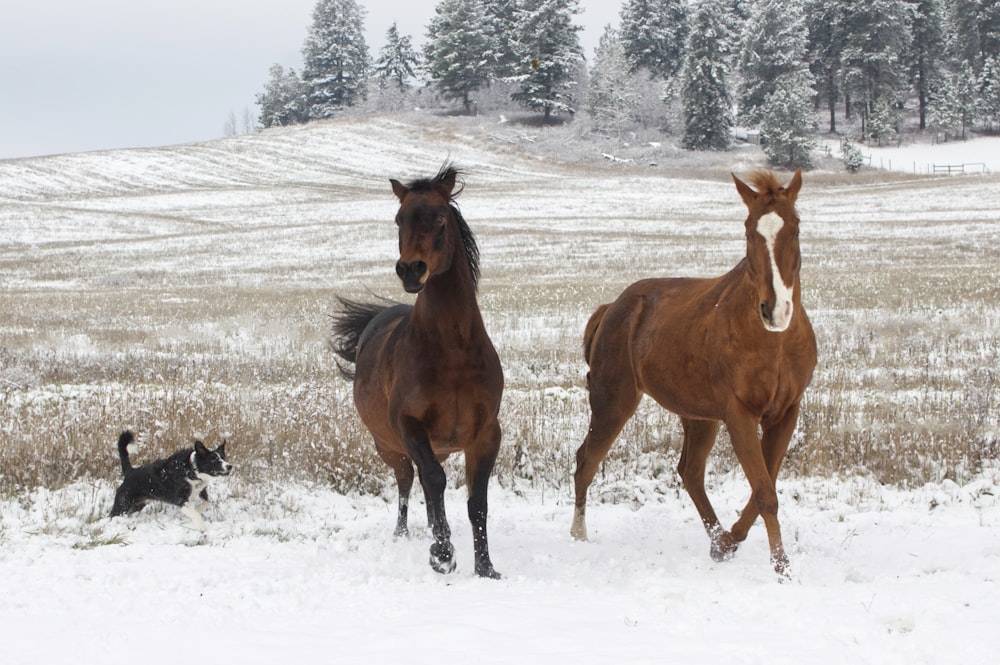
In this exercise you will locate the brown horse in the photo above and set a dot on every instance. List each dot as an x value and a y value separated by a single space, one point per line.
427 380
737 349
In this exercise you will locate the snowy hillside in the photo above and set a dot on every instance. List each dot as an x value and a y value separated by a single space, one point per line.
186 291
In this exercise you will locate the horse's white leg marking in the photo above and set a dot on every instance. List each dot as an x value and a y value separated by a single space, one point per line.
768 226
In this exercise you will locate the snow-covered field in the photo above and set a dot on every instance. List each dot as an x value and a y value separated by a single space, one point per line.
115 261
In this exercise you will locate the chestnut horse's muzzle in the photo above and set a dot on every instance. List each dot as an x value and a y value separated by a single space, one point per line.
413 275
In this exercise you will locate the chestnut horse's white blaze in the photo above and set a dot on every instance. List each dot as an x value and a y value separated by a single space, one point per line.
781 315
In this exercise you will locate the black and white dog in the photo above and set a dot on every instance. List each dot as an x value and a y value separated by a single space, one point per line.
180 479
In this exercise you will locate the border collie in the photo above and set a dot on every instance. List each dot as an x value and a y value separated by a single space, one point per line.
179 479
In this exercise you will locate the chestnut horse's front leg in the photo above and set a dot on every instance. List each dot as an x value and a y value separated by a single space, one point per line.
774 446
749 451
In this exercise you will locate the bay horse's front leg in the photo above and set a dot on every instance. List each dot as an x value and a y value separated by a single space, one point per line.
749 451
479 462
433 481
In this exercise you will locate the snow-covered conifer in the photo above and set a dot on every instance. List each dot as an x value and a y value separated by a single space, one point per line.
612 96
706 98
654 33
336 58
457 54
550 55
397 60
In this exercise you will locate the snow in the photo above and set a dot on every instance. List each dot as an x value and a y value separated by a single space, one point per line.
290 571
981 155
296 572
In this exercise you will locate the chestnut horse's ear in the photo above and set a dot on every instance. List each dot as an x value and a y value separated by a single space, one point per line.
399 189
793 187
746 193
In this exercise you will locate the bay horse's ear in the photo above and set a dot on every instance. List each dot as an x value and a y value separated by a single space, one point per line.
793 187
447 183
399 189
746 193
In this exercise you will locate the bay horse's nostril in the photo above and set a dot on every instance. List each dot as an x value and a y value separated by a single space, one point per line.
419 268
400 269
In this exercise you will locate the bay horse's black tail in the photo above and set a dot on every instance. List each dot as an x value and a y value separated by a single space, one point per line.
348 324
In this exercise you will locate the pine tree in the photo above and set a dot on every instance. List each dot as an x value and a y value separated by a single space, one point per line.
954 109
653 33
825 19
708 118
876 41
776 91
397 60
501 17
774 49
787 122
612 99
283 101
989 91
975 31
458 49
336 58
927 56
551 54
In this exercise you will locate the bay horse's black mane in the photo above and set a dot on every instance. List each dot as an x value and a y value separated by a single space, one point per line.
448 171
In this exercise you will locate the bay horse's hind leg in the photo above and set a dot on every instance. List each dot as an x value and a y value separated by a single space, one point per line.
699 438
610 409
479 461
403 470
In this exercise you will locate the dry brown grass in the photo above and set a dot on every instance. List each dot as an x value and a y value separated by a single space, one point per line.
905 302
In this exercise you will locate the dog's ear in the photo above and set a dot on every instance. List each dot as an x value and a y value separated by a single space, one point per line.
222 449
199 448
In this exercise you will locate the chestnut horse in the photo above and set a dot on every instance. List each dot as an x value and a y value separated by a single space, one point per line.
737 349
427 380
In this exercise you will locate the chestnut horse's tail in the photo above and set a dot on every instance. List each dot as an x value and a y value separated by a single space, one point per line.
591 330
348 325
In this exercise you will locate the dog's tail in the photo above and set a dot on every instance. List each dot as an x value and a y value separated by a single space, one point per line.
124 441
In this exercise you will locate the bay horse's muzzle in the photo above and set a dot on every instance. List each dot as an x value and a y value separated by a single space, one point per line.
412 275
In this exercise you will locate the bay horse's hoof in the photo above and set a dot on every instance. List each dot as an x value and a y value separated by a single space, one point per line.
723 547
443 558
488 571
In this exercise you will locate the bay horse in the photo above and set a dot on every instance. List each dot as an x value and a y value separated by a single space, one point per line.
427 379
736 349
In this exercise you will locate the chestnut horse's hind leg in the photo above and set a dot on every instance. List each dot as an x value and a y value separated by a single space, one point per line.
699 438
403 469
479 461
610 409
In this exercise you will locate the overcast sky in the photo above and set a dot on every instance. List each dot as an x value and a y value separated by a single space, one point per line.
78 75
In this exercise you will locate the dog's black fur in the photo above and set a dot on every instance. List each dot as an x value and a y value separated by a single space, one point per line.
179 479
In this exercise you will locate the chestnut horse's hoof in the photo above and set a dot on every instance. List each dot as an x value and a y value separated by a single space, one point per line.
782 567
443 558
723 547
